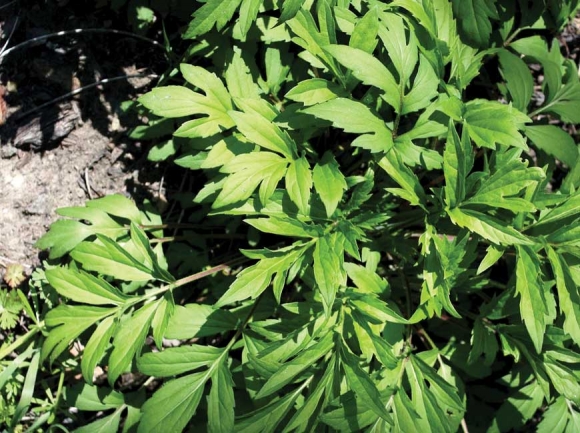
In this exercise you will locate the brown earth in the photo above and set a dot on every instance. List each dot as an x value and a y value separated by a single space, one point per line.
58 149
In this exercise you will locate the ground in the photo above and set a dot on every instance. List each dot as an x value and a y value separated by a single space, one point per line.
57 153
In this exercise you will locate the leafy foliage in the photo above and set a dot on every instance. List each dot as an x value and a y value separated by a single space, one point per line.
413 266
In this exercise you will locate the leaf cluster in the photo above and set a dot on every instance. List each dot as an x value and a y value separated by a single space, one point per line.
411 209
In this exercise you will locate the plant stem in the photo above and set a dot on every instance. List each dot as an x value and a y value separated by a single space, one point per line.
20 341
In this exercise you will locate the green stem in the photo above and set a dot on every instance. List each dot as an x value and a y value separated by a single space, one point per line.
20 341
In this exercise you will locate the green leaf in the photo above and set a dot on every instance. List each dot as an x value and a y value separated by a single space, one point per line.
568 297
487 227
110 258
509 180
490 122
365 279
352 116
519 408
315 91
69 322
160 320
289 370
129 340
473 18
555 417
172 406
351 413
283 227
533 307
177 360
439 406
249 170
209 82
307 412
115 204
569 207
267 418
290 8
411 190
423 90
554 141
173 101
483 342
376 309
327 271
404 414
400 45
197 320
363 386
213 13
92 398
364 35
248 14
565 102
96 346
457 163
519 81
329 182
369 70
104 425
63 236
299 183
252 281
221 402
83 287
261 131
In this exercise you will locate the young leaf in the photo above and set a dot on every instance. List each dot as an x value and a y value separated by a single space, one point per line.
519 81
327 271
569 300
96 346
197 320
129 339
368 69
299 183
106 424
173 101
315 91
83 287
305 415
533 307
221 402
213 13
172 406
554 141
490 122
283 227
474 23
252 281
293 368
457 163
362 385
177 360
329 182
110 258
264 133
68 322
487 227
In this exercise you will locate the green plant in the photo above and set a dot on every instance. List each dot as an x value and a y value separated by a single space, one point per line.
415 266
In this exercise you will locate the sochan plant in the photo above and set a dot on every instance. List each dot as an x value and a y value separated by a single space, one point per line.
409 200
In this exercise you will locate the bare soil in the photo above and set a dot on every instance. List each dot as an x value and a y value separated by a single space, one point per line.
60 151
